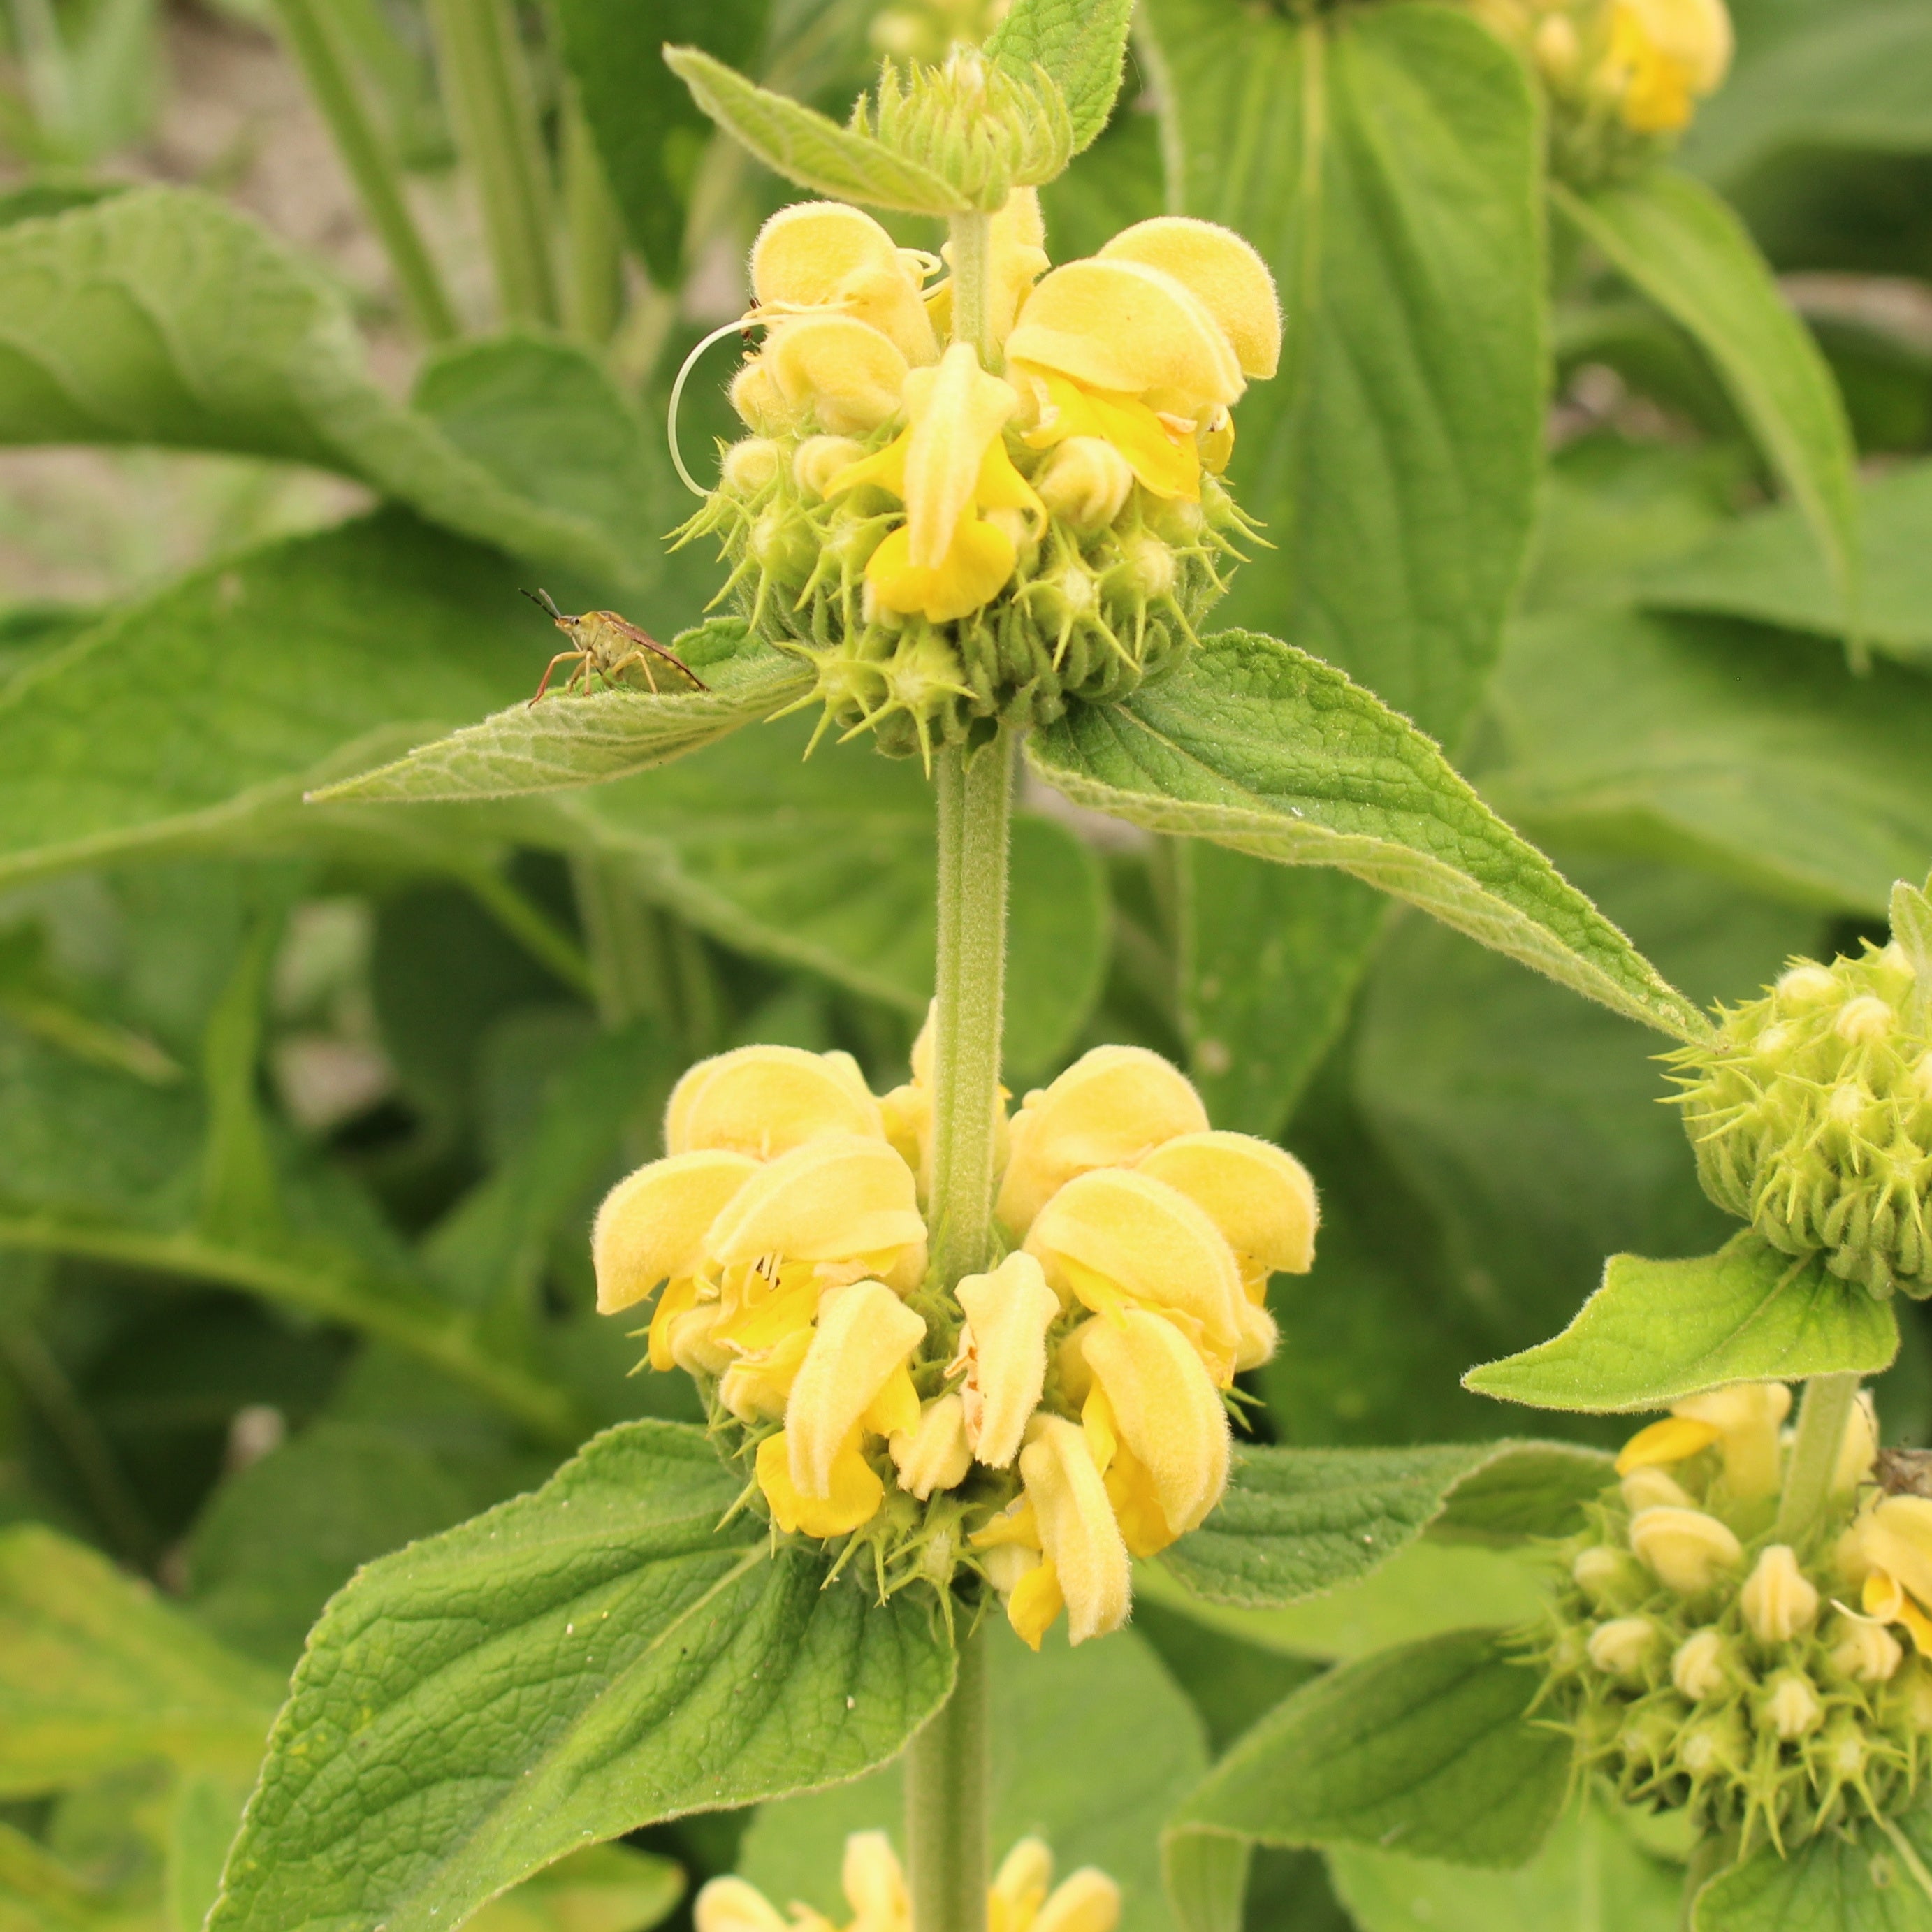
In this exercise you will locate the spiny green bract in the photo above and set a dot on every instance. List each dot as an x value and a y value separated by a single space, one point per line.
1094 606
972 124
1679 1704
1811 1113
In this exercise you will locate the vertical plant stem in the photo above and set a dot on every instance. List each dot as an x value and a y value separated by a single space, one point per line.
1814 1455
593 293
971 241
630 977
947 1801
975 811
483 79
370 161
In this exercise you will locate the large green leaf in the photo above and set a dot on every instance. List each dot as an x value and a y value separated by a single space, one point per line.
1092 1749
1296 1523
574 1664
650 134
1760 567
1385 161
1429 1746
1082 45
162 316
97 1672
1685 250
1749 753
1858 1880
1658 1330
1591 1876
1258 746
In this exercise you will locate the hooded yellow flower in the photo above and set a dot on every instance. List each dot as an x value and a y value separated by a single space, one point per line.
1742 1422
1664 56
948 467
763 1101
1889 1551
1003 1355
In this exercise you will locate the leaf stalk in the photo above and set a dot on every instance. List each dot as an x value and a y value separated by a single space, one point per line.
1827 1408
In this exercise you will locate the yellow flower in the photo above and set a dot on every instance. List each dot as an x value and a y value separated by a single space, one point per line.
1116 1239
1743 1421
1112 1105
651 1229
1146 344
1084 1564
765 1100
935 1454
1888 1550
1663 55
948 465
1003 1348
1087 1900
828 256
846 376
1685 1549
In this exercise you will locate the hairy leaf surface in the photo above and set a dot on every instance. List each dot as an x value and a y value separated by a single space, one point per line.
1082 45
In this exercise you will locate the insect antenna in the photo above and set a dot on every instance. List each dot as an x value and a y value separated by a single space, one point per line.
544 602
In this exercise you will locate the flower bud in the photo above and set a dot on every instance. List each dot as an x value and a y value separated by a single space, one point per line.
1685 1549
1624 1647
1843 1750
1714 1746
936 1455
1608 1577
653 1225
1109 1107
839 369
730 1905
1078 1534
1778 1599
1144 573
1084 482
765 1100
1008 1313
751 464
1789 1706
1701 1666
820 458
1648 1733
854 1372
761 405
1558 52
1087 1900
1652 1489
1863 1652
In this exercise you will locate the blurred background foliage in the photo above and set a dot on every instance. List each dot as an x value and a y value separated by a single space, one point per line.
326 325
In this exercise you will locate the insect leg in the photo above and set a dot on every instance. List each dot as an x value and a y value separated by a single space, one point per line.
550 671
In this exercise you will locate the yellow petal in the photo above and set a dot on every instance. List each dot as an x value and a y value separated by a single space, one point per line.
1109 1107
1260 1336
856 1491
1898 1540
1114 1227
1088 1900
1009 1311
956 410
1034 1602
678 1297
1123 326
971 572
837 1197
730 1905
1260 1198
1858 1449
874 1882
934 1454
1675 1439
1693 37
865 1333
1024 1878
804 252
1166 466
1168 1412
758 1388
848 375
1077 1529
1222 272
1883 1596
652 1224
1778 1599
765 1100
1748 1417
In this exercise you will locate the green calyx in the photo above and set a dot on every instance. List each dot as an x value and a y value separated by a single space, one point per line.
1680 1701
973 124
1101 599
1810 1111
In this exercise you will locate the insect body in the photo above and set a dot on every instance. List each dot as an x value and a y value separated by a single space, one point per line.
1904 1472
604 645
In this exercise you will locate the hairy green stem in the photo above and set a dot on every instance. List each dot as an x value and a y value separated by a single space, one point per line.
371 163
593 294
481 63
971 247
629 974
948 1799
975 811
1814 1455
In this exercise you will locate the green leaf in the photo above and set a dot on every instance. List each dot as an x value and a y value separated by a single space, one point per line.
1387 162
1428 1747
1860 1880
590 1658
1297 1522
162 316
799 143
565 743
607 1888
649 133
1590 1875
1751 754
1759 566
1082 45
1258 746
1658 1331
1270 958
1092 1749
1685 250
1207 1881
96 1672
1855 77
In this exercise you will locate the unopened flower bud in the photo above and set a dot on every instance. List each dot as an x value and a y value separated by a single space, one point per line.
750 464
820 458
1807 985
1145 571
1842 1752
1652 1489
1624 1647
1863 1020
1789 1706
1557 51
1778 1599
1008 1313
1714 1746
1085 482
1700 1666
1685 1549
1608 1577
934 1456
1648 1733
1863 1651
